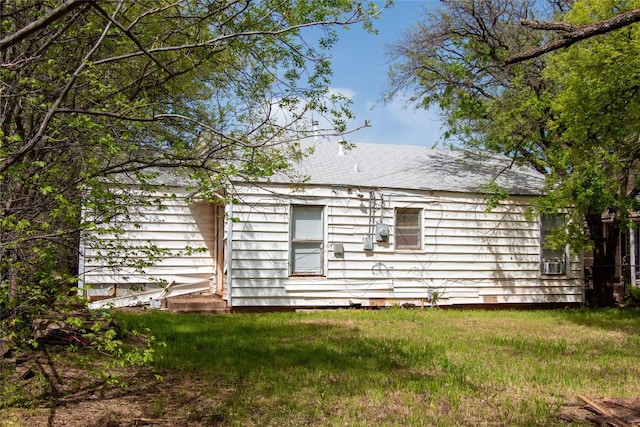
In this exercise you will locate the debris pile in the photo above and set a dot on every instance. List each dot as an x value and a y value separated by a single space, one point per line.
607 411
54 330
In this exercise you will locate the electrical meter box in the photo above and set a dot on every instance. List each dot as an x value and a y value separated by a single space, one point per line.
338 250
367 244
382 233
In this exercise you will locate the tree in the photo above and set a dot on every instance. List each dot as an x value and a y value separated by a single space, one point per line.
596 109
559 113
570 34
95 95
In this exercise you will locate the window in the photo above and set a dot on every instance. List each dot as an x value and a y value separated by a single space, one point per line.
553 260
307 241
408 230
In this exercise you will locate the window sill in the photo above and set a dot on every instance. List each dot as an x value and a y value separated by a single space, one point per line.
307 276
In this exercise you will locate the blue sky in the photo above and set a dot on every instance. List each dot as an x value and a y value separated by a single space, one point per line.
360 72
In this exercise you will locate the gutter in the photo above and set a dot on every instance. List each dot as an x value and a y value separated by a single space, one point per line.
230 254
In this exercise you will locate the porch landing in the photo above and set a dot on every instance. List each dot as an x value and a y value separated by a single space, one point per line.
197 303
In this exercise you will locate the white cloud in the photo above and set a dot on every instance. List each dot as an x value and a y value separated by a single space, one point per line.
397 123
346 92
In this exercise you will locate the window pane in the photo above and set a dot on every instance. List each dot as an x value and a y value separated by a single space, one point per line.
408 219
550 223
306 223
407 239
306 258
307 240
553 260
408 229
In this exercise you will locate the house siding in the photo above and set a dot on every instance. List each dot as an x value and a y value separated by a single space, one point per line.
469 255
185 232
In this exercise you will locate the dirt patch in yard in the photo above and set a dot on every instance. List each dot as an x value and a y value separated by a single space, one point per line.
55 394
46 389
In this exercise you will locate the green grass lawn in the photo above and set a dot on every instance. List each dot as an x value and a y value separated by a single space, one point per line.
400 367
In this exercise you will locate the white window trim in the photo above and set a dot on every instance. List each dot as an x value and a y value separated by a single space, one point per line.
566 258
324 250
420 247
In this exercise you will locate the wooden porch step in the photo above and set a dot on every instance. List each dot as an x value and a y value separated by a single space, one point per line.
199 304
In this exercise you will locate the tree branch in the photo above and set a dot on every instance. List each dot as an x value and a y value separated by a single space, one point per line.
570 34
47 19
216 41
549 26
35 139
131 37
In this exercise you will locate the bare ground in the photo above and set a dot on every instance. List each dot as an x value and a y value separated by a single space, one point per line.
65 395
68 396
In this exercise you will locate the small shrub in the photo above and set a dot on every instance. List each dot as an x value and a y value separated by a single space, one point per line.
633 298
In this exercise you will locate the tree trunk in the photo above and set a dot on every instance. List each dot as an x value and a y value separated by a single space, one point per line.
605 239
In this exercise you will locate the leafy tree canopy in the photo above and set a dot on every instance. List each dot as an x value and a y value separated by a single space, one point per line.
97 94
571 114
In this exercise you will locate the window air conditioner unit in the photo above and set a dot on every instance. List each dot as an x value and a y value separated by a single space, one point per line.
552 266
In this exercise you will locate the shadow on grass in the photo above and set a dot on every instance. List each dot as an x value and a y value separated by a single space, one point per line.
282 365
613 319
299 353
246 343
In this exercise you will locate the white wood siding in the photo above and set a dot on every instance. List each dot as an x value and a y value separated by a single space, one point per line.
468 255
185 232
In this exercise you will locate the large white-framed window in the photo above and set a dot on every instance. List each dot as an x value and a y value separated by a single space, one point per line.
553 260
307 240
408 229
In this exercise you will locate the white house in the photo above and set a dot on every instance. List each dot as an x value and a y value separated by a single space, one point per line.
377 225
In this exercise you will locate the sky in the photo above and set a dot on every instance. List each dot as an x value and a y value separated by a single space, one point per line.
360 69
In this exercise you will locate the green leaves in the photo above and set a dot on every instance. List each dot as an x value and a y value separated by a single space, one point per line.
494 194
572 114
596 111
99 97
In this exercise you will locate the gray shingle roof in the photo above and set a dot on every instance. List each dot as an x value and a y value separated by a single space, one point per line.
414 168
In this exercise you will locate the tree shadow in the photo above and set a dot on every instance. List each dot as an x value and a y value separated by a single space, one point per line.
611 319
301 355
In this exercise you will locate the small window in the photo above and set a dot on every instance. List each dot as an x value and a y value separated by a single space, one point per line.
307 241
553 259
408 229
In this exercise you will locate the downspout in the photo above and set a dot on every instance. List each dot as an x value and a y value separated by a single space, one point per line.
81 267
632 256
230 254
81 291
372 214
